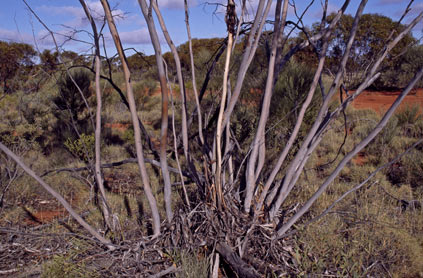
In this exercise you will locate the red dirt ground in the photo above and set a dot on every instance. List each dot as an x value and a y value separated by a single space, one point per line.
117 126
45 211
378 101
360 159
44 216
381 101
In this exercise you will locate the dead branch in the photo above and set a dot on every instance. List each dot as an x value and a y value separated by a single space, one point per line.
237 264
58 197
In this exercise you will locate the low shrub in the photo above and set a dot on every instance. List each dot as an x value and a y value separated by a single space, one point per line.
82 148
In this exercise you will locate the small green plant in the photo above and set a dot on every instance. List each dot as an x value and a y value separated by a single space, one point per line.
69 265
192 265
82 148
62 266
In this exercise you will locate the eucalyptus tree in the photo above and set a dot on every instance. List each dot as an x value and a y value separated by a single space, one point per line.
214 176
248 186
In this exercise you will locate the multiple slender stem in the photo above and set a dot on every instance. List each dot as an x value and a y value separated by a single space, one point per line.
97 63
251 197
137 132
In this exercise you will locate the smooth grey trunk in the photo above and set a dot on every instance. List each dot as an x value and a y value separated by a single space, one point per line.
177 155
313 145
218 181
58 197
175 144
228 147
249 52
178 74
301 152
147 12
259 139
194 82
219 128
240 22
98 175
317 129
137 132
294 133
300 118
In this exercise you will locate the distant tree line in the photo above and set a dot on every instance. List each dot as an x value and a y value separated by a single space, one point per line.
18 61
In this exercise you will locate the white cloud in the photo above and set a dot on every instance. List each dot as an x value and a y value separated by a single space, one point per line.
175 4
139 36
79 19
42 39
15 36
251 9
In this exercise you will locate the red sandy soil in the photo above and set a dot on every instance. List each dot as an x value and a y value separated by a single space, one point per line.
117 126
381 101
360 159
45 216
45 211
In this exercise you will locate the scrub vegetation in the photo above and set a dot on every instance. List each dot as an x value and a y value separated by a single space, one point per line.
200 163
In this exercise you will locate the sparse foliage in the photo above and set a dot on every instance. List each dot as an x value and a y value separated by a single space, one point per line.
252 157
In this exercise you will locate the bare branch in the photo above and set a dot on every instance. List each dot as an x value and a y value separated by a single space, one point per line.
351 154
165 102
58 197
135 122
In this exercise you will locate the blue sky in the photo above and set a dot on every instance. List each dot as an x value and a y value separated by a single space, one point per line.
66 16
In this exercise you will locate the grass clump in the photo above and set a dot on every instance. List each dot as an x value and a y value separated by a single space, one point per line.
62 266
191 265
367 234
69 265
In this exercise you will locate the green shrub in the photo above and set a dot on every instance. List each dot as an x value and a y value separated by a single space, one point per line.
382 142
82 148
289 94
142 91
408 171
410 121
71 108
